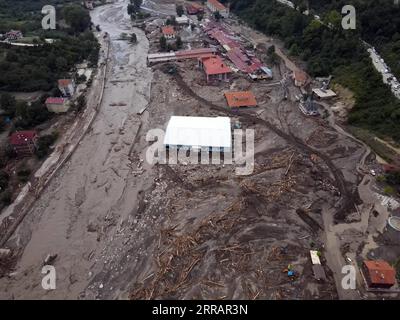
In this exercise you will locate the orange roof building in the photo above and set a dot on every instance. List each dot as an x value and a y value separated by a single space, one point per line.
216 6
168 32
214 68
24 142
379 274
67 87
241 99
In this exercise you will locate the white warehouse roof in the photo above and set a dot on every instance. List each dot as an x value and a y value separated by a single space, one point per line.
182 19
199 132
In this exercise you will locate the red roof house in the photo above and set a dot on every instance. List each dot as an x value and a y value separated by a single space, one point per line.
24 142
379 274
215 68
57 105
168 32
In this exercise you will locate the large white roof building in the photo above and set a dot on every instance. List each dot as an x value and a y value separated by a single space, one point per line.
199 133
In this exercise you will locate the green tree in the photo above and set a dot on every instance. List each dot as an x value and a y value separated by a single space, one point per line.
133 38
294 50
137 4
81 102
179 10
4 178
77 17
171 21
8 104
178 42
21 110
44 143
6 197
271 50
131 9
333 19
200 16
163 43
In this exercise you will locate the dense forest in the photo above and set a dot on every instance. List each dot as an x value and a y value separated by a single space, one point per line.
38 68
339 52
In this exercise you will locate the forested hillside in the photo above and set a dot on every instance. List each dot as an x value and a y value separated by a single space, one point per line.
38 68
339 52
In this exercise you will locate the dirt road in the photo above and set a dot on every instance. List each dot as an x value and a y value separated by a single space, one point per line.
89 193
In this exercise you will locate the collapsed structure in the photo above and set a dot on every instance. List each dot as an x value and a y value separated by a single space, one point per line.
24 142
214 68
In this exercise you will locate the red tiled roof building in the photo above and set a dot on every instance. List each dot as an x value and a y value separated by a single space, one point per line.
24 142
379 274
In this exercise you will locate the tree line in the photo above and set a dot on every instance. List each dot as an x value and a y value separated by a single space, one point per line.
336 51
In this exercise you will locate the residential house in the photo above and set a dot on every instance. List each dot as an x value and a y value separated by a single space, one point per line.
379 274
67 87
216 6
214 68
194 8
57 105
23 142
168 32
13 35
240 99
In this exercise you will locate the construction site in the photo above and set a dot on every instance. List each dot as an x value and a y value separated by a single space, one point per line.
128 229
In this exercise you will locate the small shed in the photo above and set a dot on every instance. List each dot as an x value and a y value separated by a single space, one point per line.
379 274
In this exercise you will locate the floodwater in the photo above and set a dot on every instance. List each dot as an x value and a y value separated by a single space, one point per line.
92 190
